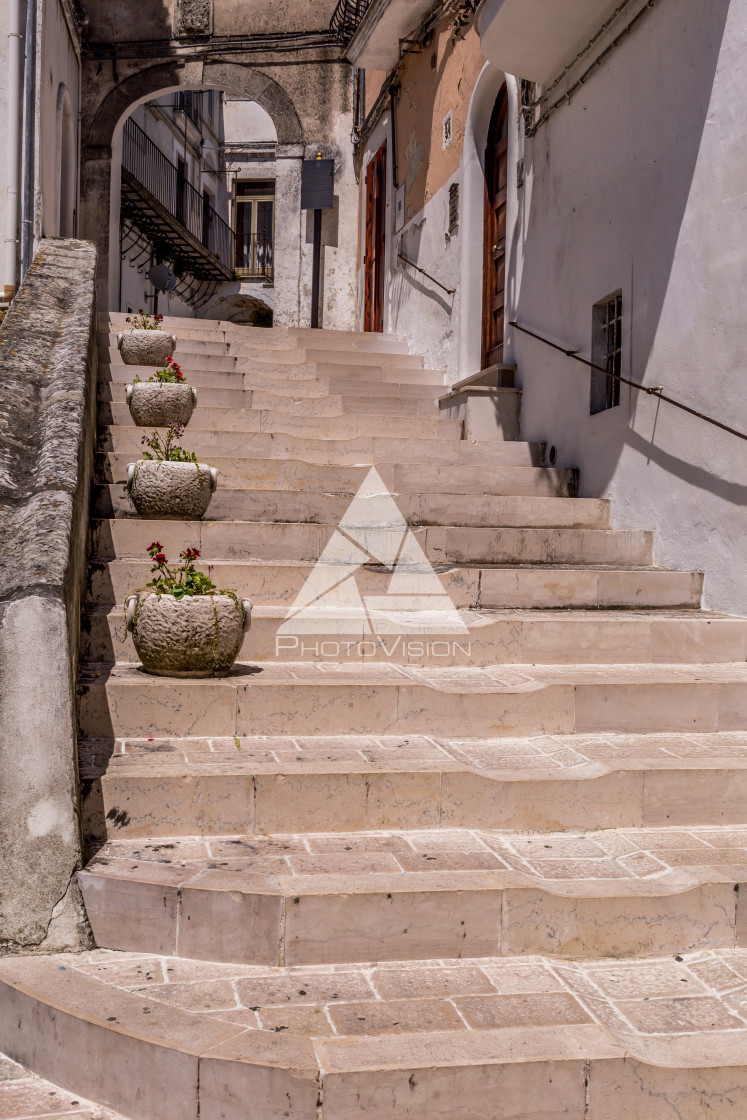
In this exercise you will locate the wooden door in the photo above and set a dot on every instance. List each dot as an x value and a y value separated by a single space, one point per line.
494 267
373 311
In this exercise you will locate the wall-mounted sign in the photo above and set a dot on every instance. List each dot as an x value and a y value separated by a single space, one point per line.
317 184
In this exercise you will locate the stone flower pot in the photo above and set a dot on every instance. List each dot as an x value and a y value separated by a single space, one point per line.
197 636
146 348
159 404
171 491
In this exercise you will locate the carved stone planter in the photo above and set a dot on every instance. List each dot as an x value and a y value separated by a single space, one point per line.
197 636
146 348
159 404
171 491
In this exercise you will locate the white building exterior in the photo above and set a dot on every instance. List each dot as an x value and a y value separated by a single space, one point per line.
628 180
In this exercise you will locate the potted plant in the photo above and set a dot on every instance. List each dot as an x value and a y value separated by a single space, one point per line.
168 483
145 344
181 624
165 399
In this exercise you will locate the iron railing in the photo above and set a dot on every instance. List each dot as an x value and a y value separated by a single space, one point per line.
347 15
650 390
254 256
165 183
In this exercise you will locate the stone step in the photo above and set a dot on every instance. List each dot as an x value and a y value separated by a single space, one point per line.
281 337
295 474
494 637
300 506
255 391
25 1096
164 787
119 538
538 588
168 1039
229 421
365 450
336 898
241 372
309 698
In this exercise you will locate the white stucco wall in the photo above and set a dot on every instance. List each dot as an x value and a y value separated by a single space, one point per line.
58 67
639 184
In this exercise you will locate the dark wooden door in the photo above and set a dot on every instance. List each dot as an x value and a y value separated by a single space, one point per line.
373 312
494 267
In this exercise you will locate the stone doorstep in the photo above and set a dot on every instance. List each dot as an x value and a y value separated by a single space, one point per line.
495 637
542 588
295 474
348 426
356 361
297 506
361 450
339 699
121 538
181 787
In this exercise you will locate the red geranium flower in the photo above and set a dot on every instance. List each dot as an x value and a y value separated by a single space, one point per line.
159 558
155 545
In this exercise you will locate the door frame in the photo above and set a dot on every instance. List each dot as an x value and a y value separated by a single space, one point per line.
375 241
499 121
472 225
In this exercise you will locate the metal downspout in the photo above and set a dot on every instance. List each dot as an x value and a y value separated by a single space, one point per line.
27 225
13 117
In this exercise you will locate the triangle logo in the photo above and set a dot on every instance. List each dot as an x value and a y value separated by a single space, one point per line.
373 531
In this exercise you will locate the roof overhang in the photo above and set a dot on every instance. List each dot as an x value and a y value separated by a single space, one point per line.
375 45
536 39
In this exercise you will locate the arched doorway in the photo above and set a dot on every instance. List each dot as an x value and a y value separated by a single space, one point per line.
494 238
66 165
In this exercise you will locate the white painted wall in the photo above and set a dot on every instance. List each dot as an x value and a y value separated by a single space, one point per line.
639 183
58 79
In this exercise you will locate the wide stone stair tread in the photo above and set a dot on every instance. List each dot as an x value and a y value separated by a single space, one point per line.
306 540
334 1044
353 451
331 898
322 698
581 591
155 787
505 637
302 506
300 476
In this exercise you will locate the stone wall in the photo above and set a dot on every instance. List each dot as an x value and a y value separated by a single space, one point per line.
47 436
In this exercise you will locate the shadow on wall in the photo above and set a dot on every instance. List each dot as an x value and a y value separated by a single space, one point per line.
612 178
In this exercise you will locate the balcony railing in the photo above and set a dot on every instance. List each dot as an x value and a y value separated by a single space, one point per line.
254 256
160 199
347 16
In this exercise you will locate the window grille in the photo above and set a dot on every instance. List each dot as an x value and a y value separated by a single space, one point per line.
606 351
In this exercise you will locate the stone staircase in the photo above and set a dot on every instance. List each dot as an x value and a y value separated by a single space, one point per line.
399 880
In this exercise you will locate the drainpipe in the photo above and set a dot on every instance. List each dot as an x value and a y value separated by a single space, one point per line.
13 114
27 225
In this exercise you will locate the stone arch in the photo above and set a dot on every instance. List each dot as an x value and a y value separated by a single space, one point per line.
103 131
484 96
233 77
65 164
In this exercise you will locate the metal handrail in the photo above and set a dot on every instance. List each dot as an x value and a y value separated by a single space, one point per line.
406 260
346 18
651 391
154 171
